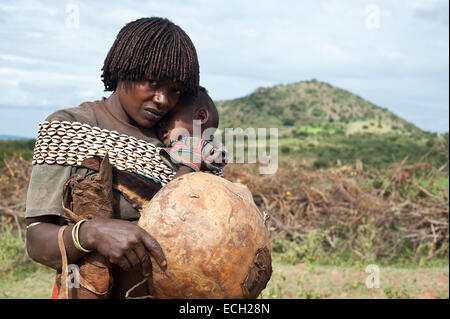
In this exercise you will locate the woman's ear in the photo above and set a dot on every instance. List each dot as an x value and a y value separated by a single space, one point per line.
202 115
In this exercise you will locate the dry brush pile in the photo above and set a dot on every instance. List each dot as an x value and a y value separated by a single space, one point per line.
340 203
349 213
15 174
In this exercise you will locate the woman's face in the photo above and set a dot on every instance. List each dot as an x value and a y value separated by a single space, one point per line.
146 102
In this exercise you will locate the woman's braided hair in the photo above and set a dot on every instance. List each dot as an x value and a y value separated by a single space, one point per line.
152 48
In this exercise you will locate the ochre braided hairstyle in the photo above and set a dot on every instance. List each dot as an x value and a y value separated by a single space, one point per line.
152 48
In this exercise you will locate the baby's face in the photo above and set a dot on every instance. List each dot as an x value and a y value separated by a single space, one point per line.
177 123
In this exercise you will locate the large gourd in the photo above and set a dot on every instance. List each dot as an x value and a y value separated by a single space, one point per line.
213 236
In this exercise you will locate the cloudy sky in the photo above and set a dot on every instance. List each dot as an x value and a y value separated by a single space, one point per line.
392 53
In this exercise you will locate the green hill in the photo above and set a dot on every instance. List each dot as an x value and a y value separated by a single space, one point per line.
307 104
321 125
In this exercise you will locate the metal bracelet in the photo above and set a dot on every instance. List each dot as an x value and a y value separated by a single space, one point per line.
76 237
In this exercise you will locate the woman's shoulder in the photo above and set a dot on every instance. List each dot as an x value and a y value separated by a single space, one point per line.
85 113
96 113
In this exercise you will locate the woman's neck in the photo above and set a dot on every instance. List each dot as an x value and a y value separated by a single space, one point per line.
115 107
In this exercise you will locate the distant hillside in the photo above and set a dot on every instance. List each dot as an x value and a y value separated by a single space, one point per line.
10 146
309 103
13 137
321 126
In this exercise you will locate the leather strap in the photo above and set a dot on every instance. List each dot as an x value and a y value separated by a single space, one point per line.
64 290
64 293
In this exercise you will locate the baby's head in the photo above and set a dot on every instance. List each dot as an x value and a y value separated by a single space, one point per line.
180 121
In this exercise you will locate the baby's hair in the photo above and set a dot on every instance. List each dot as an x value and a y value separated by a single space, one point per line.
206 103
152 48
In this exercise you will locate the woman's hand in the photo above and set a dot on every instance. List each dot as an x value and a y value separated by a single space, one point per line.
122 243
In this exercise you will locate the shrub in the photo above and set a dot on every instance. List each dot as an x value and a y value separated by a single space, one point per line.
275 110
258 104
317 112
285 149
300 134
321 163
288 122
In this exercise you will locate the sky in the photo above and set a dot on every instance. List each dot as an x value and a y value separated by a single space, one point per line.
394 54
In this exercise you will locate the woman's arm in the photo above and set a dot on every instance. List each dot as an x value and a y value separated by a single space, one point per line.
121 242
42 242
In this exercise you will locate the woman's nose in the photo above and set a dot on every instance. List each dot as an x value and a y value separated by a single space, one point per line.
161 97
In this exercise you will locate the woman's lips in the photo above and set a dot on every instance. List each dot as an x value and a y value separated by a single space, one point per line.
151 115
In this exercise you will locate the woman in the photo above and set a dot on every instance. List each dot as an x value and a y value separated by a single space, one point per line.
151 63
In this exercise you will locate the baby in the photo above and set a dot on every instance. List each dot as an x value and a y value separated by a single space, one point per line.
185 150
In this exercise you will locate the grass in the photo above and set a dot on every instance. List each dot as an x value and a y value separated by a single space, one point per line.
437 186
307 271
301 281
37 284
309 281
20 277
